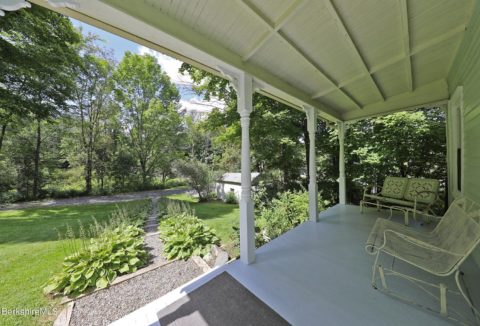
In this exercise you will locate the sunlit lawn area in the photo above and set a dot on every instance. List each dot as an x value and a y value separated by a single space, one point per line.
30 252
218 215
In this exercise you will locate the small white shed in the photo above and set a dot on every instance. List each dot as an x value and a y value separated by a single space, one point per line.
231 182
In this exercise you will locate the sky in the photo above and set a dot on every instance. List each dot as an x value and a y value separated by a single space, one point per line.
189 100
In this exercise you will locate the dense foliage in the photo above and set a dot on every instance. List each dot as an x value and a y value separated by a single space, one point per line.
38 55
404 144
72 120
282 214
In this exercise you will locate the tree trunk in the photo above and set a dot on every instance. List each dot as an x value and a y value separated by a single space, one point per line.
36 173
88 172
144 173
2 135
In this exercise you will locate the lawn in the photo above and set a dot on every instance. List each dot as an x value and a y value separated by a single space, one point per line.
218 215
30 253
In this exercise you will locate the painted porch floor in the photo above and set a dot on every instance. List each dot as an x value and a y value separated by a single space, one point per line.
319 274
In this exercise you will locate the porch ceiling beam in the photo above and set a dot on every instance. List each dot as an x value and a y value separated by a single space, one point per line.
396 59
352 44
273 27
261 17
406 43
175 37
434 93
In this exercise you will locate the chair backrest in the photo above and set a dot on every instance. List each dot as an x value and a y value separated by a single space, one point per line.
459 229
394 187
416 185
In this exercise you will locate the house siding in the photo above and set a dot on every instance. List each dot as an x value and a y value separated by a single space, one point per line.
465 72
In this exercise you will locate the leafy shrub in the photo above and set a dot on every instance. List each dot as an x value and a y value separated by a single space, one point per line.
108 250
282 214
185 235
10 196
173 183
200 177
118 251
231 198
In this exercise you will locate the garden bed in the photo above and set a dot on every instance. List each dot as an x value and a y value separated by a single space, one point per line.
108 305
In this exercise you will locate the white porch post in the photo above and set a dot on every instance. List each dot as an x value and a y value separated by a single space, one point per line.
312 164
247 223
342 191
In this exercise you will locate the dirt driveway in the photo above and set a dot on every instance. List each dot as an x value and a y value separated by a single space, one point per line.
94 199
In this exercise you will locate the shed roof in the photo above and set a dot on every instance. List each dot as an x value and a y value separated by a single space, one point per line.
236 178
348 58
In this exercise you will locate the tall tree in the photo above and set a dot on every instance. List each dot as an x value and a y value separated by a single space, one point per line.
91 97
149 112
277 132
38 54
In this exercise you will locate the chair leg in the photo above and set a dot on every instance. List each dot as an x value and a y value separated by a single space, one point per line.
470 304
405 217
382 276
374 271
443 300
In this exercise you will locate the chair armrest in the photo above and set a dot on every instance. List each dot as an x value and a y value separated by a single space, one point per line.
392 236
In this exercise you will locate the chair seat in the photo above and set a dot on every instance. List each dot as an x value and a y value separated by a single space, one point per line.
390 200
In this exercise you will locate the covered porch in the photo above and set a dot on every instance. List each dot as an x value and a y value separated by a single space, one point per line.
336 60
319 274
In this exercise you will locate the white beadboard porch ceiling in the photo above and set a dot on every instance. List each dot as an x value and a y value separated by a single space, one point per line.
348 58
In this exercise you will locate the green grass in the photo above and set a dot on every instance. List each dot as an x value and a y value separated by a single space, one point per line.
218 215
30 253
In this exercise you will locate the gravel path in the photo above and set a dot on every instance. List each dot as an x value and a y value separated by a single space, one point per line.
152 241
94 199
106 306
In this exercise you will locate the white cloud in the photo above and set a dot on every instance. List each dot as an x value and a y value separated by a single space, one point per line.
194 104
169 65
201 106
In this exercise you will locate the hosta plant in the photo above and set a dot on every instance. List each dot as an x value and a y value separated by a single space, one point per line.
117 251
185 235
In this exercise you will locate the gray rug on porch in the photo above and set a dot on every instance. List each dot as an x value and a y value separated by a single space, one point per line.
221 301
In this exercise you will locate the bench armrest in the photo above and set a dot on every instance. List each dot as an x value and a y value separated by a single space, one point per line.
426 192
367 187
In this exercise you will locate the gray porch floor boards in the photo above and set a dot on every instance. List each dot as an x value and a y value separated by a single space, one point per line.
316 274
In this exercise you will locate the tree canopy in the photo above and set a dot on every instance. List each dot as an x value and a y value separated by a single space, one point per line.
74 121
